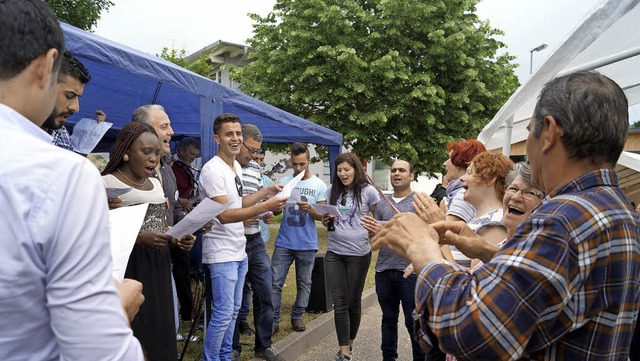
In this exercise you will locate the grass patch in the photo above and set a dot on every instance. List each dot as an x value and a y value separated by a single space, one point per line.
194 350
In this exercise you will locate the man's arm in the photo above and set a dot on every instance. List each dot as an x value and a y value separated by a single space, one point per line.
85 308
240 214
493 311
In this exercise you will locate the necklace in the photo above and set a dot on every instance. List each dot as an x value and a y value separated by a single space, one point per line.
130 181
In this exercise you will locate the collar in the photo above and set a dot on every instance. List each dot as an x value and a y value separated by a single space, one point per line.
15 121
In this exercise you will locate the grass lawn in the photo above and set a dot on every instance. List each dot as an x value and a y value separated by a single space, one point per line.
194 350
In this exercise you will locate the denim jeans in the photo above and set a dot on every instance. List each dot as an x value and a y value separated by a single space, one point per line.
259 275
247 296
392 290
281 260
227 279
346 276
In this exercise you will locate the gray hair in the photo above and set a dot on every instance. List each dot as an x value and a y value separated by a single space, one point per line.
141 114
592 111
522 169
252 132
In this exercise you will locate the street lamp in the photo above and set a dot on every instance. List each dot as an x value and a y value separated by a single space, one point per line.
537 48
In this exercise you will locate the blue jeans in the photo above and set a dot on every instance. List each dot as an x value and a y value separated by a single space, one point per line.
281 260
259 276
227 279
392 290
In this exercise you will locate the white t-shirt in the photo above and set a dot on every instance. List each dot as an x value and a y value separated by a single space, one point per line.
225 242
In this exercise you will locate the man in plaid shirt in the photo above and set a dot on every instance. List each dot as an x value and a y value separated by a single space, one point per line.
566 286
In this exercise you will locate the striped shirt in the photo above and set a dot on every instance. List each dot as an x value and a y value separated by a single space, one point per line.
251 183
565 287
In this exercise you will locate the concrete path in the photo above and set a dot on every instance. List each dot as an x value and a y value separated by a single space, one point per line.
320 343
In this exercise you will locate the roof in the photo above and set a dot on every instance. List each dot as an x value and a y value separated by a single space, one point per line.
124 78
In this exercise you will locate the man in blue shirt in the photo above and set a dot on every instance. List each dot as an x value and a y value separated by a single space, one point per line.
297 239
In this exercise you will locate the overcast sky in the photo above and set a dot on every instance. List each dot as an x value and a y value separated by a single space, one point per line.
150 25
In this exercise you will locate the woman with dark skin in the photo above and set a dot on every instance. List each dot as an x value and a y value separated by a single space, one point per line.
136 154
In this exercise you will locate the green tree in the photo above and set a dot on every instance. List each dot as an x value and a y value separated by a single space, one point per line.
396 77
636 124
179 57
83 14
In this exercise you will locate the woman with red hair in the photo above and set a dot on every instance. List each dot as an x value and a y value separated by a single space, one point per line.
460 156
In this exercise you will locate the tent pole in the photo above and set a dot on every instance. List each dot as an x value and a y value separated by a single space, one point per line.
508 129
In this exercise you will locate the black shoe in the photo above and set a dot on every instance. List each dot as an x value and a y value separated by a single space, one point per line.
235 355
275 328
298 325
269 354
245 329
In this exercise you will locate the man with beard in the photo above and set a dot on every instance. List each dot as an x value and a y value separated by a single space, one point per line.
297 238
72 78
392 288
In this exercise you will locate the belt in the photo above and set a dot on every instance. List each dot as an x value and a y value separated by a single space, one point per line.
252 237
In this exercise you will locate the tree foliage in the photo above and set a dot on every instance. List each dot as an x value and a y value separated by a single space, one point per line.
83 14
399 78
179 57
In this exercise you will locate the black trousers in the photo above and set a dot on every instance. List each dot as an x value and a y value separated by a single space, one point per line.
180 261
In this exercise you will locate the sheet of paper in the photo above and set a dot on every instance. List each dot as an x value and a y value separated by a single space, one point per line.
124 225
87 133
288 188
198 217
326 208
294 198
117 192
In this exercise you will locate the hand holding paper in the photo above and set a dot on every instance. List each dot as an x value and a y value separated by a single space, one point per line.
288 188
198 217
87 133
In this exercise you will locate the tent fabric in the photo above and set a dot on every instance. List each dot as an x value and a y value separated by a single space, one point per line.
124 78
606 41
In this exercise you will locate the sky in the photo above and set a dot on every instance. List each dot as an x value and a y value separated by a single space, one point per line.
150 25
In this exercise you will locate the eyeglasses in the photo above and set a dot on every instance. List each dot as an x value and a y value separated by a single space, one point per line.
529 194
251 150
239 185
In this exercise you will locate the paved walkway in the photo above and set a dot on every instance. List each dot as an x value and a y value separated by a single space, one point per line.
320 343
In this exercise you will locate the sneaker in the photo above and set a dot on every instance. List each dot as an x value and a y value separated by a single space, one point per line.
298 325
245 329
275 328
342 357
269 354
179 337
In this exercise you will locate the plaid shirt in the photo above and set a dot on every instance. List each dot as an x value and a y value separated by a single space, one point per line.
62 139
565 287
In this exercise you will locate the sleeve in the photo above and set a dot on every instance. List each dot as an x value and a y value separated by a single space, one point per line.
182 180
321 191
212 183
327 194
461 208
372 195
86 312
494 311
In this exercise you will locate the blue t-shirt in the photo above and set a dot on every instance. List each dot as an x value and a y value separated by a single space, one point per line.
298 230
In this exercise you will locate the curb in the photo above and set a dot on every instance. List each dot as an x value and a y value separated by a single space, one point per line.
297 343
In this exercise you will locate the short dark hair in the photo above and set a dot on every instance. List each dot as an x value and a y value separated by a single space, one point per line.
29 29
300 148
224 118
592 111
74 68
187 143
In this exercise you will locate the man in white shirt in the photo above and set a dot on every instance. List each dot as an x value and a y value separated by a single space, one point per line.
57 295
223 248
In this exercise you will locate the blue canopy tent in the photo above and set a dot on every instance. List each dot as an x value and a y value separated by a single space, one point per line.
124 78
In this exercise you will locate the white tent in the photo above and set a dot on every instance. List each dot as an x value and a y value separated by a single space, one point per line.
607 41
